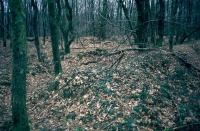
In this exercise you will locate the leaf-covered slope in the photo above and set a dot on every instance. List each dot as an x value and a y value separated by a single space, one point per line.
102 88
146 91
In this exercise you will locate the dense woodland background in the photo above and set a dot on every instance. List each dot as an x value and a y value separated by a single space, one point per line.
100 65
147 20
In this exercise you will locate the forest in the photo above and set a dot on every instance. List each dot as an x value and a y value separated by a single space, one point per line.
99 65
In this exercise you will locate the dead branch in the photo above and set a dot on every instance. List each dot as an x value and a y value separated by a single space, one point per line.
117 61
191 127
31 39
90 62
104 53
188 65
187 35
131 49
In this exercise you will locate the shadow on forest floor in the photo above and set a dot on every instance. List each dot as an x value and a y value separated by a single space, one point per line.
106 86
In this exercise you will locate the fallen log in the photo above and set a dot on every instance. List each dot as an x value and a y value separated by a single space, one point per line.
187 65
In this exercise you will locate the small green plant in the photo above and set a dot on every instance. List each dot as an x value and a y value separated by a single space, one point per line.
95 126
84 119
33 73
42 94
72 116
64 123
105 103
111 112
78 129
165 62
80 55
5 83
87 119
179 74
68 93
7 125
53 85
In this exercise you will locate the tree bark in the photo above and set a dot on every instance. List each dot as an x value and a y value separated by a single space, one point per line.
126 13
8 24
92 17
153 25
161 18
54 37
3 23
35 29
44 22
103 21
141 25
70 29
19 66
174 7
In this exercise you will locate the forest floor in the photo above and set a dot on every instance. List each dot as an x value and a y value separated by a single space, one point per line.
107 86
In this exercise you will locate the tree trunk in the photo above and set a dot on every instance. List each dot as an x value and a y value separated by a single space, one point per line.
153 26
35 29
141 25
19 66
3 24
8 24
174 7
54 37
44 7
161 18
103 21
92 17
70 29
126 13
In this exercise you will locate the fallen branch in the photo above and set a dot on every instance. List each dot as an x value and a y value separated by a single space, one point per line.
90 62
99 52
187 35
131 49
188 65
117 61
191 127
31 39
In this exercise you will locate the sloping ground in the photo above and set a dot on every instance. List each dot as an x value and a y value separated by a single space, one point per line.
5 84
189 52
103 90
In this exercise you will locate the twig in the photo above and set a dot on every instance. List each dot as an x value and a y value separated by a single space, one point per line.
187 35
117 61
90 62
131 49
132 31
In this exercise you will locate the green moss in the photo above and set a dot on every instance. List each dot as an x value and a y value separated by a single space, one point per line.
95 126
